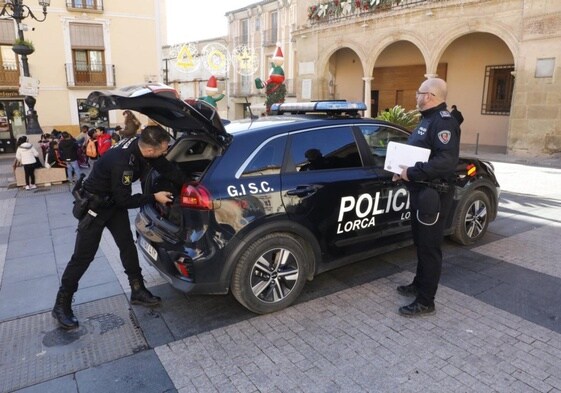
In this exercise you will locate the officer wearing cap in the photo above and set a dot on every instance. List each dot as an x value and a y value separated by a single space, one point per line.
431 191
108 190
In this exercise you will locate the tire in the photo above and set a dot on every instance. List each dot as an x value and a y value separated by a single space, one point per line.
271 273
473 218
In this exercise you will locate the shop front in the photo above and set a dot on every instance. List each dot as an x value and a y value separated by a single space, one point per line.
12 120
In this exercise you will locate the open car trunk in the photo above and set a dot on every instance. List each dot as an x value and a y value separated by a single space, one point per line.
193 154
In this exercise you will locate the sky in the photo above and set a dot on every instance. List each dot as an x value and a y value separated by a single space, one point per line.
194 21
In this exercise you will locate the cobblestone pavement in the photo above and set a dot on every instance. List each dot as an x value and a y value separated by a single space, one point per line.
354 341
497 327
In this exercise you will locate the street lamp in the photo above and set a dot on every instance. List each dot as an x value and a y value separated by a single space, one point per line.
19 11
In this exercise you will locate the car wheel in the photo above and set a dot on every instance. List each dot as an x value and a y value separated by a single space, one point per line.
473 218
271 273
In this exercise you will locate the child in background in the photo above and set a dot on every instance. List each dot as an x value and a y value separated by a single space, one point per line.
27 156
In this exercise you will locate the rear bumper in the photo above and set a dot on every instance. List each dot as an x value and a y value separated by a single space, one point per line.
162 256
163 265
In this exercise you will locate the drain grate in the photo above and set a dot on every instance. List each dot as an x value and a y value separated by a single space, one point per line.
34 349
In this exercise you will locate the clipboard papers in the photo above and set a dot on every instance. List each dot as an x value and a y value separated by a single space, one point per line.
401 154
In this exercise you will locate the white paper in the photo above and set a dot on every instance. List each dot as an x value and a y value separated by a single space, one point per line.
401 154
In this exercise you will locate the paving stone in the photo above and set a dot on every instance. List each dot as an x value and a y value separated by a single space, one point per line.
470 364
40 351
141 372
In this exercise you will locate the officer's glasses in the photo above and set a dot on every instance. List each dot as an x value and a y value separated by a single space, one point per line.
420 93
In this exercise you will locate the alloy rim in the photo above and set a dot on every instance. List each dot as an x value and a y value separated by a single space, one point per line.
274 275
476 218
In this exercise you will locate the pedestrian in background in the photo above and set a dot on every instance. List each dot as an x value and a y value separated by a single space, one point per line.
115 138
82 138
91 146
52 158
102 140
68 149
431 189
82 141
108 190
27 156
457 115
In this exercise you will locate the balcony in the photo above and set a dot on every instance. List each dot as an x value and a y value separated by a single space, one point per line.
9 74
85 5
332 11
88 75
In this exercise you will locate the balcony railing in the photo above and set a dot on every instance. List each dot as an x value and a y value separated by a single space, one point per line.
80 74
327 11
9 74
85 5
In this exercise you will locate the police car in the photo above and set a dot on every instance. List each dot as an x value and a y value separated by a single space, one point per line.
274 201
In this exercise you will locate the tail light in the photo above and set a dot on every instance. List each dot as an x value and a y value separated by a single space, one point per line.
471 170
183 267
195 196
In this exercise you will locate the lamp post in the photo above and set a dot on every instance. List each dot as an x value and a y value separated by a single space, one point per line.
18 12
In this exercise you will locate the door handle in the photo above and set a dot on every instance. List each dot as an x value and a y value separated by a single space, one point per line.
303 191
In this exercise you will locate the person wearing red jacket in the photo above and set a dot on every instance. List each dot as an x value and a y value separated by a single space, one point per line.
103 140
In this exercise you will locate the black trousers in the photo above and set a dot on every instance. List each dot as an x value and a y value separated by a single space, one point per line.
29 171
428 241
87 243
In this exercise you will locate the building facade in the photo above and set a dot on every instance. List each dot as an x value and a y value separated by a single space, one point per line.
83 45
501 59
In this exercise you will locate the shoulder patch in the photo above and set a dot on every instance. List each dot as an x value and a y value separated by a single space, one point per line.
445 114
127 178
444 136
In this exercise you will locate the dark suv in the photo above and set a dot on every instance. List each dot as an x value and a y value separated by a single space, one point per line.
276 200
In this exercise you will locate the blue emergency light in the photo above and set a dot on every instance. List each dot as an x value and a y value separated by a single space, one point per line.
335 106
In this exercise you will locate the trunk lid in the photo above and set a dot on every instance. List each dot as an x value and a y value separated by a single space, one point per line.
163 104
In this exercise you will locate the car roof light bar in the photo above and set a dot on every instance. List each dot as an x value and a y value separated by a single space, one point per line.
338 106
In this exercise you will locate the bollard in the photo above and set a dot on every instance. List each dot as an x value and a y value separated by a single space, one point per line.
477 143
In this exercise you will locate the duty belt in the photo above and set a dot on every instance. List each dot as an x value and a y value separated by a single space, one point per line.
438 186
98 200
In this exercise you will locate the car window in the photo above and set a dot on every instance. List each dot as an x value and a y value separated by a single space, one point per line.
330 148
378 137
267 160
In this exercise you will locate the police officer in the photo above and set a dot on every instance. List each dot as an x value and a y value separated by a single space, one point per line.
430 186
109 192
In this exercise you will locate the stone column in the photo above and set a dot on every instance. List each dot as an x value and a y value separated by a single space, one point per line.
367 95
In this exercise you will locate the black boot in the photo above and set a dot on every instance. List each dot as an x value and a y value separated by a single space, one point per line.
62 311
142 296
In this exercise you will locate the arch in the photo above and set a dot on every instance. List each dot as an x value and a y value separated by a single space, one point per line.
381 45
497 29
323 60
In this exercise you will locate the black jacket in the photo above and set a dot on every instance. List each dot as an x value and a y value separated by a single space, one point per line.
439 132
114 172
68 149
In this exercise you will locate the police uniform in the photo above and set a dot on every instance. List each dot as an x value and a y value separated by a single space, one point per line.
439 132
109 186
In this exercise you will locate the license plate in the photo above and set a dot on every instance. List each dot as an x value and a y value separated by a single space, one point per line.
149 249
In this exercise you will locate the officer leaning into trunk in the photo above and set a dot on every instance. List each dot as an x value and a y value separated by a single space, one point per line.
102 202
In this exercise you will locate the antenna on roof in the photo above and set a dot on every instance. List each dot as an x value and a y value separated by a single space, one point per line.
251 115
